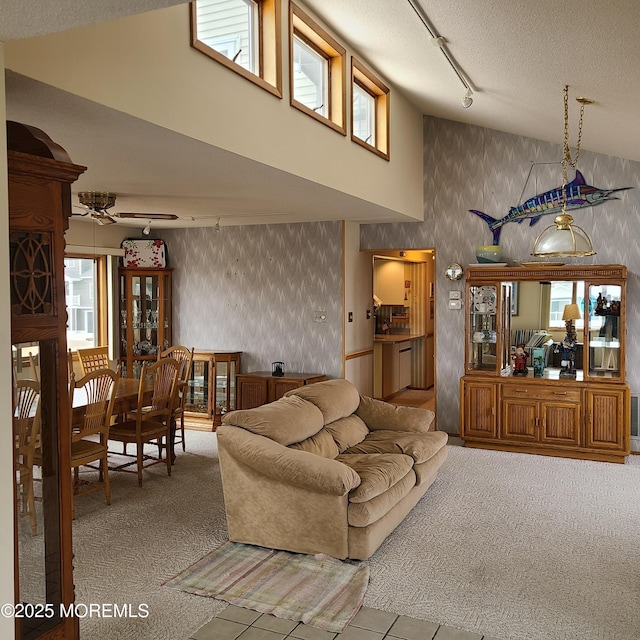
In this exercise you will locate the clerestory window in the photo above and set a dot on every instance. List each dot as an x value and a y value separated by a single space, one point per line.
317 71
243 35
369 110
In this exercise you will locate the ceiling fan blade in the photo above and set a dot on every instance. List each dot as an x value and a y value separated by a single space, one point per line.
149 216
103 218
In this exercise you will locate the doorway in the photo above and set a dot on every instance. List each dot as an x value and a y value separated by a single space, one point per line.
404 320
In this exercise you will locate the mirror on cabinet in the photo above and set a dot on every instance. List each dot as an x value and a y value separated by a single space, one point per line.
37 484
548 322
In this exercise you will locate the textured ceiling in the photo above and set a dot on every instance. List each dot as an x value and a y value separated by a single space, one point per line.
516 55
20 19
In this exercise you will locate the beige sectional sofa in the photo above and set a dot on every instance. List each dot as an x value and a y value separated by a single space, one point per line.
324 470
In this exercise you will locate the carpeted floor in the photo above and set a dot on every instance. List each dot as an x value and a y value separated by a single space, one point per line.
520 548
513 546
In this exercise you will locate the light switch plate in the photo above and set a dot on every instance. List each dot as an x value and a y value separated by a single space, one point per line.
455 304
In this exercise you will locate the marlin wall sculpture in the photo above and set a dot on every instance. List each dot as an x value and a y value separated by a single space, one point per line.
579 194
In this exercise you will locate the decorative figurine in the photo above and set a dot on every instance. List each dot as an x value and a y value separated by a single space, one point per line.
568 362
519 358
538 362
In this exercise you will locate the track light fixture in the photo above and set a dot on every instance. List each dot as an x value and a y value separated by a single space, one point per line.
441 43
147 230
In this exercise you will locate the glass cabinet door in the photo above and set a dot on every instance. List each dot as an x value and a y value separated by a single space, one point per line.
604 303
227 366
145 317
483 329
197 400
37 477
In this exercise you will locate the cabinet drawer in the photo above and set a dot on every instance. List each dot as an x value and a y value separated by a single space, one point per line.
547 394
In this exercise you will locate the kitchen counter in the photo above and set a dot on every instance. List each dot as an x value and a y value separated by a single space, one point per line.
394 338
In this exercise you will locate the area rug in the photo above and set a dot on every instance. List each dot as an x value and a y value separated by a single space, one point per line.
318 590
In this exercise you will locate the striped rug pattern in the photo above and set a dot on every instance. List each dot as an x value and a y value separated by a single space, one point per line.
318 590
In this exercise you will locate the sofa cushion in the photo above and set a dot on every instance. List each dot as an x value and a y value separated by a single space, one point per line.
335 398
362 514
426 471
378 472
347 432
285 421
321 443
420 446
382 415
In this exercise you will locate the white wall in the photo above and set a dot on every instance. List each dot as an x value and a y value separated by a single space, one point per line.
87 235
7 629
388 281
144 65
358 334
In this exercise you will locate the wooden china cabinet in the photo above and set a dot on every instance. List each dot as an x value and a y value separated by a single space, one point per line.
586 415
145 317
40 176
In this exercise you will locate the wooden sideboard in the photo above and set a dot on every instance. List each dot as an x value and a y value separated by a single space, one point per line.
260 387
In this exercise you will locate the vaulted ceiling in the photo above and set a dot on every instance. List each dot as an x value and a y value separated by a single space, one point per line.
517 56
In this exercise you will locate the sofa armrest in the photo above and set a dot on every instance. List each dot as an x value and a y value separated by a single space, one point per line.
299 468
377 414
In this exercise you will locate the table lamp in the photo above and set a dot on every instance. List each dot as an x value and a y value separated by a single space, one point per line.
571 312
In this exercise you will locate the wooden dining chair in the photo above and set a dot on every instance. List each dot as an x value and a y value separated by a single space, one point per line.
185 357
90 435
151 422
26 421
35 368
93 359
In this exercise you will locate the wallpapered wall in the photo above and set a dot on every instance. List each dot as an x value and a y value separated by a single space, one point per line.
467 167
255 289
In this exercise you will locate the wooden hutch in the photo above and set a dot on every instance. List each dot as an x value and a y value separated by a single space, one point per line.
586 416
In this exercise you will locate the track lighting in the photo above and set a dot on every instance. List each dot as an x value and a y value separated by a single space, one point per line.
147 230
441 42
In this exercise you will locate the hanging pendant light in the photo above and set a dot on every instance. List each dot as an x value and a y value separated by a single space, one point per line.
563 238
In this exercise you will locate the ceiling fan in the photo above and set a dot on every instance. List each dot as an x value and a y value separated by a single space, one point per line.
97 203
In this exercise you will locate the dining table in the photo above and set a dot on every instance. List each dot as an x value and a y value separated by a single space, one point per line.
126 400
126 397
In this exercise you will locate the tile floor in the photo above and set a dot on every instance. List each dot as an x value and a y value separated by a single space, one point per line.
369 624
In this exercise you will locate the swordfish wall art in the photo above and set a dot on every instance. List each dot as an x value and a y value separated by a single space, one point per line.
579 194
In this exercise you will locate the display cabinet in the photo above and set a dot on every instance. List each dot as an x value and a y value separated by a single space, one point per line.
579 408
211 389
488 328
605 355
145 317
40 174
